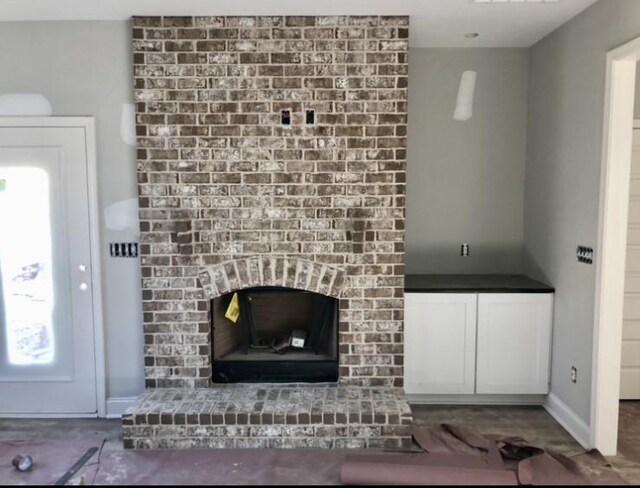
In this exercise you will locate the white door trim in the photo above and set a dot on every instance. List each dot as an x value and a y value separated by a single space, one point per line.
88 124
611 247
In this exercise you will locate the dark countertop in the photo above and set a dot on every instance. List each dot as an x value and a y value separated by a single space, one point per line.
429 283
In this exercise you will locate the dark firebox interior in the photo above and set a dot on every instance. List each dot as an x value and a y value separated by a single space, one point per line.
261 345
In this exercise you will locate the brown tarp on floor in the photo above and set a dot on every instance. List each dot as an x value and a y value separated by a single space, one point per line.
456 456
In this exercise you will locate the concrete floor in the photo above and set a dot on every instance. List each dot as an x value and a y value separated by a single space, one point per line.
118 466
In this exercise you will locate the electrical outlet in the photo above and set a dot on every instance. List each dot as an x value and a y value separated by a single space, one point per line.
310 117
464 250
285 117
584 255
574 375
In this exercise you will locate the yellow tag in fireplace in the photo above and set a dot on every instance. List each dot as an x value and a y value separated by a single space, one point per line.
233 310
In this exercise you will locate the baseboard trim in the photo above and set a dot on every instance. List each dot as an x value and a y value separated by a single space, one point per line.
48 415
429 399
117 405
568 419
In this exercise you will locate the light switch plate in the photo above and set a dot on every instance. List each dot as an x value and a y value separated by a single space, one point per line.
584 254
123 249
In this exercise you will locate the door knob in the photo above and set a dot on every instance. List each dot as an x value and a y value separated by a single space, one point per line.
84 287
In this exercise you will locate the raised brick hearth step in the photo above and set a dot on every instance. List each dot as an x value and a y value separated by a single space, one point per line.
269 415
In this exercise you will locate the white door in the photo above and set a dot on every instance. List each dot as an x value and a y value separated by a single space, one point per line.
47 355
514 343
630 374
440 343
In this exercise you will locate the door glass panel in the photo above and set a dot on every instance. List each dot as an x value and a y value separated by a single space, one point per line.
26 281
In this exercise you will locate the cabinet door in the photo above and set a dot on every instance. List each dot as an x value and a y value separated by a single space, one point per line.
514 343
440 343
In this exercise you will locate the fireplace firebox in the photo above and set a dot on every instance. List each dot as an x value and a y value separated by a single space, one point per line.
276 335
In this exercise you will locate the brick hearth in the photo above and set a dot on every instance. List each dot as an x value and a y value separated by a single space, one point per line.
261 415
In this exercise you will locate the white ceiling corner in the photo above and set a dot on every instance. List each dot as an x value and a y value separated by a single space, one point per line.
434 23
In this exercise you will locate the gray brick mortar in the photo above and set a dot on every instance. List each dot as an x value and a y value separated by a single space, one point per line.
220 180
268 415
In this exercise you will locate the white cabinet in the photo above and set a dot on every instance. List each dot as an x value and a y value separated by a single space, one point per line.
514 338
477 343
440 343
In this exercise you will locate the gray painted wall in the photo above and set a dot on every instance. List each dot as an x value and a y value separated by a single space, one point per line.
567 88
466 179
84 68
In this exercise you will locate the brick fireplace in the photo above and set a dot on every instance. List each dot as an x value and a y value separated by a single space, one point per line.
232 196
277 296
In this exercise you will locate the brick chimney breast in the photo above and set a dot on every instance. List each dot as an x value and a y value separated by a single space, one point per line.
231 198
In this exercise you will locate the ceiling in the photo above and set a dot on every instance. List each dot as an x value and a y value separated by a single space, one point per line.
434 23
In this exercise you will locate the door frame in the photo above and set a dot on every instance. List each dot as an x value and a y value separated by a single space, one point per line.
88 125
612 245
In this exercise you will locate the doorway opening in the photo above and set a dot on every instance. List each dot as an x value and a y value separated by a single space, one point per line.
612 245
630 359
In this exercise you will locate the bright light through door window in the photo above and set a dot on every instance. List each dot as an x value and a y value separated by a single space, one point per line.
26 311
